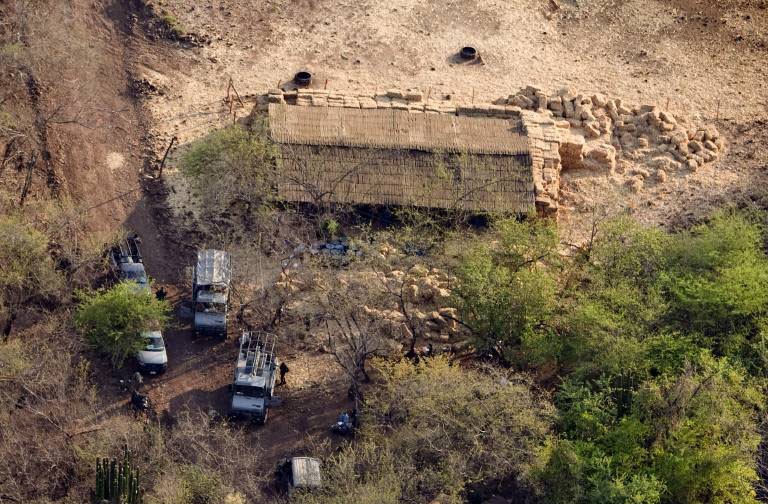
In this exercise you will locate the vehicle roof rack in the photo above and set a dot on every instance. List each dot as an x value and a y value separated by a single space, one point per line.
258 350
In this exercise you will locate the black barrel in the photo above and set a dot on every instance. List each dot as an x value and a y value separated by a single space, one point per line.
303 78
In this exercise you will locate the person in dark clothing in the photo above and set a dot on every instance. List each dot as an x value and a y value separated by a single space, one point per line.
283 370
160 294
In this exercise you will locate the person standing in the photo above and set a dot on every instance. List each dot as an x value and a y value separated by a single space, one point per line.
283 370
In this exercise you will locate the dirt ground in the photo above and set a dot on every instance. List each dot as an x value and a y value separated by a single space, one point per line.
699 58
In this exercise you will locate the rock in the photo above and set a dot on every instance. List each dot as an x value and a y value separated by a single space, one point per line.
661 175
572 151
720 142
665 126
641 172
531 91
707 155
419 270
635 184
711 133
642 142
522 102
566 94
592 130
555 104
627 139
587 115
629 128
667 117
542 101
709 144
435 317
600 156
568 108
599 100
695 146
692 164
661 162
449 313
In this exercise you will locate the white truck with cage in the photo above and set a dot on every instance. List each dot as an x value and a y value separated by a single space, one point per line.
254 379
210 292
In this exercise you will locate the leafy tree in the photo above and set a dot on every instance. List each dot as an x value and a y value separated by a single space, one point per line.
705 433
661 338
435 430
506 290
718 284
27 272
113 319
232 166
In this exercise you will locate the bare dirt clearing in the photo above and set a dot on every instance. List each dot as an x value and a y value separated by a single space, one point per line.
702 60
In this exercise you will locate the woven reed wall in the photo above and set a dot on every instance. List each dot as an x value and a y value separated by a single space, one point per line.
402 177
394 129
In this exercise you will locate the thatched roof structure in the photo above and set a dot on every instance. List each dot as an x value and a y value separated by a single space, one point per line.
395 157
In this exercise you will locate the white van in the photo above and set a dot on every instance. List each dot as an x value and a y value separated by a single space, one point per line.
152 358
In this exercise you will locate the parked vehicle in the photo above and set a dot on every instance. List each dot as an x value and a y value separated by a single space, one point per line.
298 473
153 358
126 262
210 292
254 378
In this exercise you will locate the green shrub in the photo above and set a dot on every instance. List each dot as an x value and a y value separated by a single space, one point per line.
113 319
200 487
27 271
234 167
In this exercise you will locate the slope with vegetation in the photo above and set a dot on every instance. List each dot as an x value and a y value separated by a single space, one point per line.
653 345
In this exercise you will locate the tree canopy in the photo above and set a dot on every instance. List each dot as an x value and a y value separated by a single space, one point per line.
659 340
113 319
27 271
436 430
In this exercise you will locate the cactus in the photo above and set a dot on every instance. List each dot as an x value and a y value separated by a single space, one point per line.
117 482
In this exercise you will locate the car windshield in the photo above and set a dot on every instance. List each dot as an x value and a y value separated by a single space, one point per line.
244 390
136 276
155 344
211 308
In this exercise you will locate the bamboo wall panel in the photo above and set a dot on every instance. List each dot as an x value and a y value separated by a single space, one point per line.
477 182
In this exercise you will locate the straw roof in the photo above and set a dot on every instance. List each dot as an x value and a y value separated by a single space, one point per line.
393 129
394 157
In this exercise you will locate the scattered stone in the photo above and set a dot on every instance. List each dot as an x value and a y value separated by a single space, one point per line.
599 100
635 184
592 130
661 175
667 117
